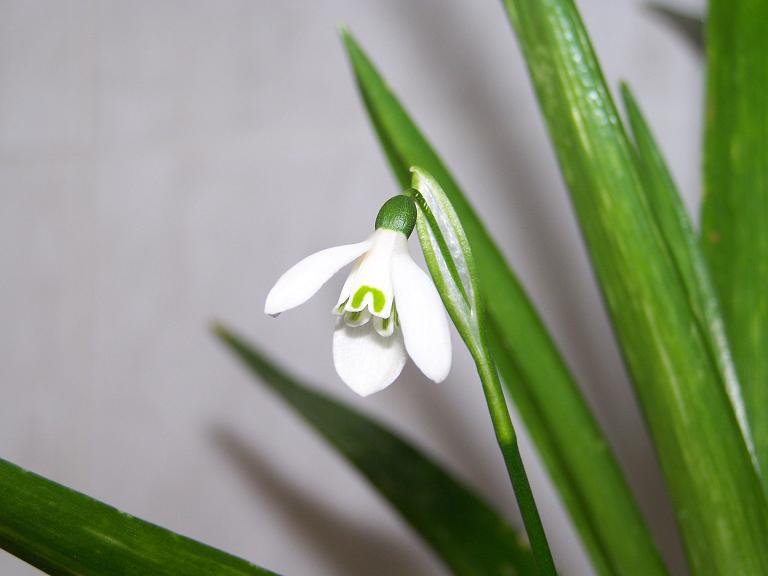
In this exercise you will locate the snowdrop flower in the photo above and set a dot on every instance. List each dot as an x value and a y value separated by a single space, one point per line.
388 305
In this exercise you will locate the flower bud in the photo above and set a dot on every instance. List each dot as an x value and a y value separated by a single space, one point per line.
398 214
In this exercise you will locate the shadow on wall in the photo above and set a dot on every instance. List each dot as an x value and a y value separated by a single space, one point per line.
351 548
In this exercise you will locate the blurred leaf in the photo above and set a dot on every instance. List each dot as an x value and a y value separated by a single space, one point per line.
675 225
735 210
63 532
462 529
689 25
571 444
715 490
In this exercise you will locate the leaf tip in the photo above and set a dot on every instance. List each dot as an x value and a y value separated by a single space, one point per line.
347 38
626 94
218 329
623 87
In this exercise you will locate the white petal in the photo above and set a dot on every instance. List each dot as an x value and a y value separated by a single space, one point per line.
344 296
384 326
301 282
422 318
366 361
370 284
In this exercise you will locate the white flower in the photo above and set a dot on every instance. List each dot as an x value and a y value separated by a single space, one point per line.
388 305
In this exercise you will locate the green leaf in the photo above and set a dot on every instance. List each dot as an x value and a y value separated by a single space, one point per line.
715 490
675 225
734 231
689 25
452 265
576 453
65 533
462 529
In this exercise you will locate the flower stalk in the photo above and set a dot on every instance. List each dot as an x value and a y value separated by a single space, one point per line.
450 261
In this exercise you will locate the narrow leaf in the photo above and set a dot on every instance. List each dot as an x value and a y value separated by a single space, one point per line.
735 211
681 240
550 403
65 533
461 529
715 490
689 25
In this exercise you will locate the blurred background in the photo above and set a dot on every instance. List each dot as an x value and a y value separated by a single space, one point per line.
162 163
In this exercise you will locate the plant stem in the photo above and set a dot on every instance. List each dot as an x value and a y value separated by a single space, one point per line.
507 440
465 308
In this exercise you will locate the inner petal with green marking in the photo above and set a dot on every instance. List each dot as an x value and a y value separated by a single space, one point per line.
369 286
376 302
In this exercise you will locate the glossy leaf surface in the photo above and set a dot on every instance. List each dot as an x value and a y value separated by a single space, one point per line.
734 230
66 533
676 228
715 490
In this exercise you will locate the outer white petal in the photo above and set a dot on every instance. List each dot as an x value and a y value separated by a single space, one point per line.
301 281
422 318
366 361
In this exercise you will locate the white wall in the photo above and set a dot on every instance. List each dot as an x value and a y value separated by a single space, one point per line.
161 163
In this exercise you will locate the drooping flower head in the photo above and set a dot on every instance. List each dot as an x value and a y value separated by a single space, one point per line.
388 305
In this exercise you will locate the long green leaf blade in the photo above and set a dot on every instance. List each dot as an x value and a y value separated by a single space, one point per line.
462 530
676 227
572 446
65 533
735 210
715 490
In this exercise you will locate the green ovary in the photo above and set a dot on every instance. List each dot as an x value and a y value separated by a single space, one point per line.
378 298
